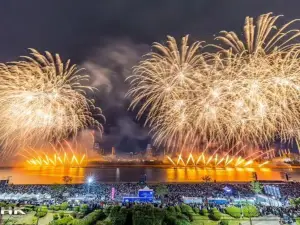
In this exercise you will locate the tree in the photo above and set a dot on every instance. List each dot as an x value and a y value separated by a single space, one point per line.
256 187
162 190
64 206
206 178
67 179
57 188
250 211
295 202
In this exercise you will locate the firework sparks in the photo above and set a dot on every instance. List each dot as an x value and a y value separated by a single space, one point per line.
42 99
218 161
64 154
245 91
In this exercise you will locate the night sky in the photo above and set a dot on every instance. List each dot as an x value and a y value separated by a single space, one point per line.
108 37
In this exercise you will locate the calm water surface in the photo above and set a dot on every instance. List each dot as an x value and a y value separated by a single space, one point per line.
133 174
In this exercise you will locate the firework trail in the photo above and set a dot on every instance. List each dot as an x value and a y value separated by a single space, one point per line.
242 91
43 100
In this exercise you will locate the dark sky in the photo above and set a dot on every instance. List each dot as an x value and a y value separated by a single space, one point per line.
109 36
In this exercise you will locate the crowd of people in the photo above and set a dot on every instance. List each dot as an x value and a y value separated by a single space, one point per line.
101 194
103 191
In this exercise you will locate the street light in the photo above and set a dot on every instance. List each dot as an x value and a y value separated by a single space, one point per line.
89 181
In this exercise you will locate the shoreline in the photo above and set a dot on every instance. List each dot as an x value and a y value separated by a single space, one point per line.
150 166
168 182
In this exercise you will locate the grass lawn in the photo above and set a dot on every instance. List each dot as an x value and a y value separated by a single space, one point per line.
204 220
28 218
19 219
298 221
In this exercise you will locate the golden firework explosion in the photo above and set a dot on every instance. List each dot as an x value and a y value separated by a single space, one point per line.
61 155
42 99
240 92
219 158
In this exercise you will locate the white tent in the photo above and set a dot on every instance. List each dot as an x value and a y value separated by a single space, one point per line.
9 196
18 196
47 196
2 196
268 201
189 200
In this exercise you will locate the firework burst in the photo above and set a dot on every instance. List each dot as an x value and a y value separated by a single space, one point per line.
41 100
241 92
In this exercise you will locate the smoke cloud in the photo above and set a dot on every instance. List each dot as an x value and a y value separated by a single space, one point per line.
108 67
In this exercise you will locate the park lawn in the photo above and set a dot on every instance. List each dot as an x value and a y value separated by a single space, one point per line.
298 221
28 218
203 220
20 219
233 221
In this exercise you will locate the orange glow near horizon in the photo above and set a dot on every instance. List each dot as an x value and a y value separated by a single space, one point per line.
58 160
217 161
64 154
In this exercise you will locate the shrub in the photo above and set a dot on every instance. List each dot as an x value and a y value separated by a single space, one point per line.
215 215
177 208
107 210
120 217
76 208
29 208
158 216
104 223
171 210
41 211
170 220
55 217
224 222
74 214
182 222
61 215
145 215
64 206
204 212
64 221
40 214
233 211
187 210
84 209
182 217
196 210
11 205
114 211
250 211
79 216
56 207
90 219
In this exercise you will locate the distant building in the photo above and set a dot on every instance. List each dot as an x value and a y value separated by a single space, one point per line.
113 151
149 154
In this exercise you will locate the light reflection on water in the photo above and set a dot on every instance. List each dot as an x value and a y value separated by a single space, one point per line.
133 174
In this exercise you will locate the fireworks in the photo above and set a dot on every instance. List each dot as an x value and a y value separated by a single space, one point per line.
219 160
42 99
240 92
63 155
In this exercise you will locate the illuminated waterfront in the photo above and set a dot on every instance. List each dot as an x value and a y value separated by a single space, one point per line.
132 174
